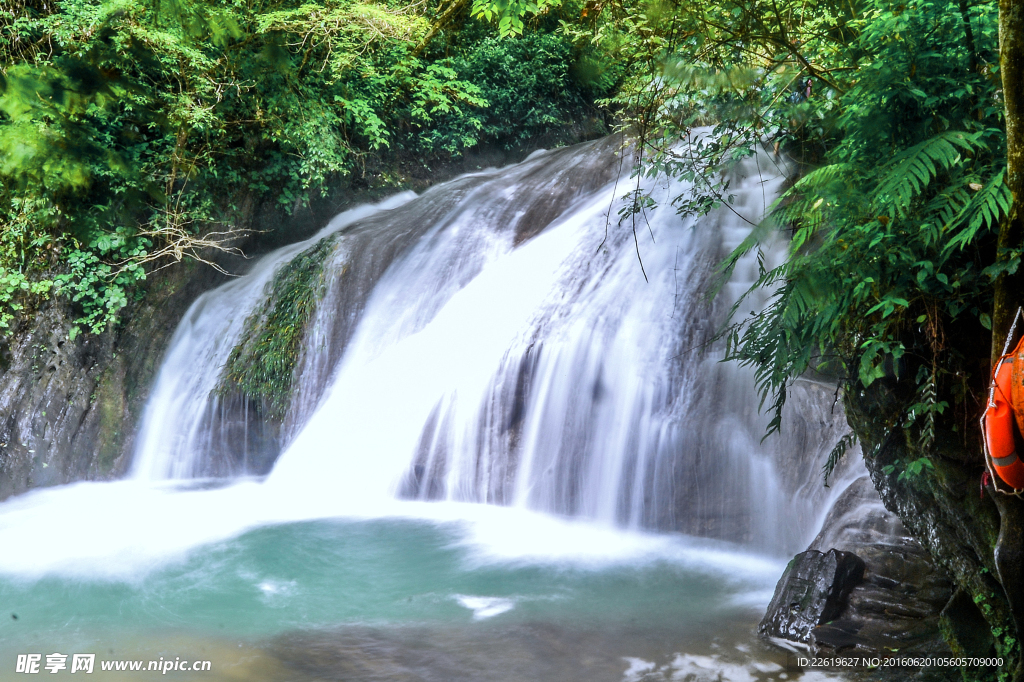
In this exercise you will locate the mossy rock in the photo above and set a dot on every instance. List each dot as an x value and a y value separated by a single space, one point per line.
944 507
261 367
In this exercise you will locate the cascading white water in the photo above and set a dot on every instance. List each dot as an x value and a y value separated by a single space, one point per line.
460 355
172 436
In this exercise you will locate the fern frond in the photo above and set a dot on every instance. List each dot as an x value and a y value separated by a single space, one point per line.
984 210
911 171
823 177
845 443
946 205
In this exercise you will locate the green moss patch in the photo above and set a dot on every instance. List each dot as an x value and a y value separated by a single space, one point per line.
262 365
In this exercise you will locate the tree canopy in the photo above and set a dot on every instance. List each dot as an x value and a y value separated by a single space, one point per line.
894 111
130 129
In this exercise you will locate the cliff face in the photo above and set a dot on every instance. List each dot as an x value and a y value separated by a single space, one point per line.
68 409
948 511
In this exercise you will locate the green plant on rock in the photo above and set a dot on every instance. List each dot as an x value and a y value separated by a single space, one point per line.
261 367
909 469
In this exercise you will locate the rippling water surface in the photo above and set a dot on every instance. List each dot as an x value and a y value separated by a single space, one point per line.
420 592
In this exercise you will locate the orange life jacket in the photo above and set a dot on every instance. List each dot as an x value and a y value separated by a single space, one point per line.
1004 418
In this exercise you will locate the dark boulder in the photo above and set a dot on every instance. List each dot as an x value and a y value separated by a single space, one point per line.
892 608
812 591
896 607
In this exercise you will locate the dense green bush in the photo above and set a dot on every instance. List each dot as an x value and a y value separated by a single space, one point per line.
893 252
121 120
528 84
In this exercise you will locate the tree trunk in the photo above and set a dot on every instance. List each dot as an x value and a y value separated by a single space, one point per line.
443 19
972 50
1009 287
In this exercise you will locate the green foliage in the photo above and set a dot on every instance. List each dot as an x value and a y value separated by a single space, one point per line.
836 454
528 83
126 126
509 13
1007 646
101 289
910 470
13 287
908 174
261 367
890 267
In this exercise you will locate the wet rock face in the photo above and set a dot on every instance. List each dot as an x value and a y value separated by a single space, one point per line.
895 604
955 520
896 607
812 591
68 408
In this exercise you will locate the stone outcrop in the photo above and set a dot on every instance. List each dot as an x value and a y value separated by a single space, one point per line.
68 409
946 508
812 592
864 588
896 607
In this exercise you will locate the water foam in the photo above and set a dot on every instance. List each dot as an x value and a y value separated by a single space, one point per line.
125 530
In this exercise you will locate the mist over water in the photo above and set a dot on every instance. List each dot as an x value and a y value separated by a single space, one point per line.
508 416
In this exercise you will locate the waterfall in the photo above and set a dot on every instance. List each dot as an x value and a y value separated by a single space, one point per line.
174 435
508 338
